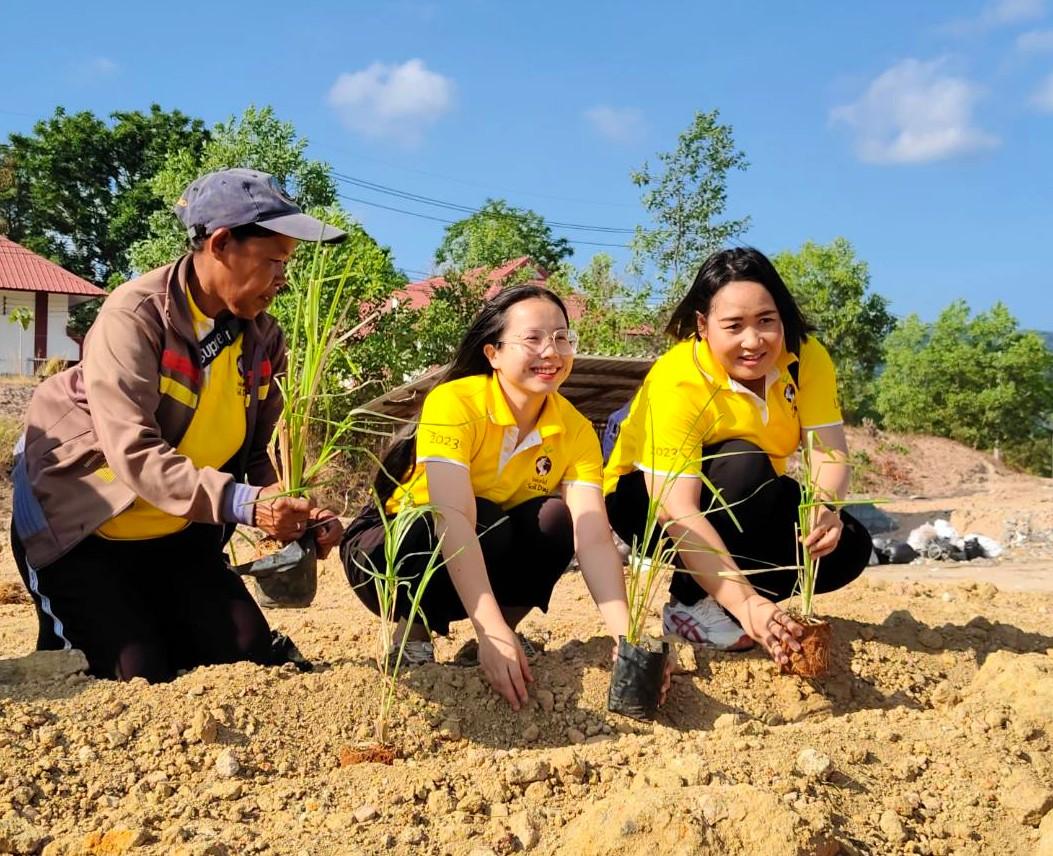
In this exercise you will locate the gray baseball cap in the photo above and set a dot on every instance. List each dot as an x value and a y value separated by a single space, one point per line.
238 197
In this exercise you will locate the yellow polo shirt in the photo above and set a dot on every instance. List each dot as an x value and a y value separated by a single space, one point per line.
468 422
214 435
687 401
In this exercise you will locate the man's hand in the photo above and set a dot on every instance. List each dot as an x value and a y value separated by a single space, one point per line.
327 528
282 517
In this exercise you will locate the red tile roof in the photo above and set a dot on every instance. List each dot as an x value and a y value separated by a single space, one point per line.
22 270
418 294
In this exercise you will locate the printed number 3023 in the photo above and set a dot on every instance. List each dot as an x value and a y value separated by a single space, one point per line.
444 440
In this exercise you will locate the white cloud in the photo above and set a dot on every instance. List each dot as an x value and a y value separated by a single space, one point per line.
914 112
98 68
998 13
1043 96
621 124
392 101
1035 41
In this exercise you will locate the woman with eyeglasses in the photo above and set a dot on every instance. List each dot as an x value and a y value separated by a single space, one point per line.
514 474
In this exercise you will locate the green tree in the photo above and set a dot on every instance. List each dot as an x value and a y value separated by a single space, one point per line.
979 380
255 140
831 286
258 139
616 320
685 198
77 189
497 233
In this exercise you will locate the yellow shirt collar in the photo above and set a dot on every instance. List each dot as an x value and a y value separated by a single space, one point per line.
202 323
548 423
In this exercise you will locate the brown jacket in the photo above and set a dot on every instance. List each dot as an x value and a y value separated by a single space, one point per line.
104 432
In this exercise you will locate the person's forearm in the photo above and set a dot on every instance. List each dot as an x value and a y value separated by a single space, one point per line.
601 567
708 560
832 475
467 569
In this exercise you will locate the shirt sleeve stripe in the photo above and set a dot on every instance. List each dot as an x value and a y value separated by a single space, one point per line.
443 461
681 475
824 425
596 485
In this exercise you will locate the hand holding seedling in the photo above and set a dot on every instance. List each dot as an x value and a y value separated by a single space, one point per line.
327 528
826 532
773 628
504 664
283 517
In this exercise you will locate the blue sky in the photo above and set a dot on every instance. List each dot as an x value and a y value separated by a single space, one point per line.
922 132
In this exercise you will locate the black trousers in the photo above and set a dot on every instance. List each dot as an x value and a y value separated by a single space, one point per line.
765 505
146 608
526 549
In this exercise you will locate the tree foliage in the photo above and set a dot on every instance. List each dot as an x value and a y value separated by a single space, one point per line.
979 380
78 190
360 369
256 140
686 198
831 285
616 320
498 233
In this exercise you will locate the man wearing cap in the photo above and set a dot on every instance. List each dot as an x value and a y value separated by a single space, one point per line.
135 460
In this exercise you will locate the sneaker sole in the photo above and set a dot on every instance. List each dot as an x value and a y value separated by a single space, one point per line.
743 643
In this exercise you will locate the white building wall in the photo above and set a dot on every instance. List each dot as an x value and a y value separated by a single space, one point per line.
59 344
12 336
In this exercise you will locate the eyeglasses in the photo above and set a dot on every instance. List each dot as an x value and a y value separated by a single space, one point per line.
534 342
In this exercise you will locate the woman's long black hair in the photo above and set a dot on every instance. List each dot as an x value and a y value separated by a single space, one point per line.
400 457
739 264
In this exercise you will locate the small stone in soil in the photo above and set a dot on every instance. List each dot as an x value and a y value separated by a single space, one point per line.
814 764
892 826
365 813
727 720
227 764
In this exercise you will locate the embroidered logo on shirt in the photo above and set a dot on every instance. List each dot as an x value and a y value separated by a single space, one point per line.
543 465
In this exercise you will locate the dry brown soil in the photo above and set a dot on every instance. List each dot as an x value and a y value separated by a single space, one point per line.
931 735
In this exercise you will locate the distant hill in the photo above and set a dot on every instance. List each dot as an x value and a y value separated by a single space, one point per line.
1048 336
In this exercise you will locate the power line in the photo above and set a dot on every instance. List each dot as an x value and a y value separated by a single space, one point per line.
467 209
392 208
575 201
444 220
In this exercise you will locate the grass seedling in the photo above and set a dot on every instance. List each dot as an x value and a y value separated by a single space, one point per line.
813 500
655 551
388 580
306 437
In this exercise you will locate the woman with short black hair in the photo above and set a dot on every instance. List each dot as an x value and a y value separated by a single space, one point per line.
721 412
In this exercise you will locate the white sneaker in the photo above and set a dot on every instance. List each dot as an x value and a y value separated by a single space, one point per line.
704 623
417 653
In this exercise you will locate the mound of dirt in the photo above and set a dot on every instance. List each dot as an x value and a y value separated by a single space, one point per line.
735 820
1004 674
